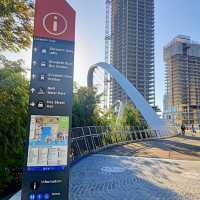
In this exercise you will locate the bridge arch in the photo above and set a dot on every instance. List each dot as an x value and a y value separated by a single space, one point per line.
138 100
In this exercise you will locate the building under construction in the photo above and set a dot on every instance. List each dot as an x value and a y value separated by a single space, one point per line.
132 46
182 98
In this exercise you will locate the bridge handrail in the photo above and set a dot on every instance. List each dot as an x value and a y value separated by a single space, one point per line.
91 139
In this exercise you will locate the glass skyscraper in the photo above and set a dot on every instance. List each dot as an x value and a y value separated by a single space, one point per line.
132 46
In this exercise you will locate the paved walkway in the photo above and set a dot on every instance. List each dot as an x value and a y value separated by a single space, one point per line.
106 177
176 148
117 175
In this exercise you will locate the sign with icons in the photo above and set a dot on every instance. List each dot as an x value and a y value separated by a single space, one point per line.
46 170
52 74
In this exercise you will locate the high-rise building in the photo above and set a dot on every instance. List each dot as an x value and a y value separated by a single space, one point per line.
182 98
132 46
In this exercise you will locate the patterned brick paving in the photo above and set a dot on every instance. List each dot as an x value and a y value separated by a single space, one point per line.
176 148
130 178
166 169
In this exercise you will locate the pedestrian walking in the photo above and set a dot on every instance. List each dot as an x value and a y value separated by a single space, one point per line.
193 130
183 129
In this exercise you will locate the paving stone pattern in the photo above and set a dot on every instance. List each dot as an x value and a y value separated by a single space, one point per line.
152 170
106 177
176 148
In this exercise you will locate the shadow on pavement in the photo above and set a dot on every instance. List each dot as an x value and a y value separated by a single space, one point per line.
131 184
190 137
181 147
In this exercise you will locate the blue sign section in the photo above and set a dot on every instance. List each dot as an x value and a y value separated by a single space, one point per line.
50 108
46 196
32 197
51 77
39 196
44 168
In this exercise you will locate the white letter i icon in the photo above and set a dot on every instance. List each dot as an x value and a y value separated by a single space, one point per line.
55 24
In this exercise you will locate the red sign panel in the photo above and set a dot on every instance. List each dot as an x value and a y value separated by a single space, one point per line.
54 19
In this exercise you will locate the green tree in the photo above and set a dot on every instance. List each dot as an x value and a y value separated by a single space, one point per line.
132 117
86 111
16 24
109 118
13 117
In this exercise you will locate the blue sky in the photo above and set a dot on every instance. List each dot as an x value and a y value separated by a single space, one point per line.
172 17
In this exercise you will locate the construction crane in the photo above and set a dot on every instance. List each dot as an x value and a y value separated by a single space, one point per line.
107 77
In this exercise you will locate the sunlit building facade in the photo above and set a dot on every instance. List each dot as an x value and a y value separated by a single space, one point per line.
182 98
132 46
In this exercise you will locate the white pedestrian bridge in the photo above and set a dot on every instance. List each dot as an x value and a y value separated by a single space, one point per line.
138 100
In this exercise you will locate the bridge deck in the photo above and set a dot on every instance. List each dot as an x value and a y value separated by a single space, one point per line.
117 175
177 148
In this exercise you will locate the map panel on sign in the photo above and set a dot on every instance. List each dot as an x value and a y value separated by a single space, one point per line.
48 141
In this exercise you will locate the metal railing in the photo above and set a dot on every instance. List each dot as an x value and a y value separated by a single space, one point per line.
91 139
